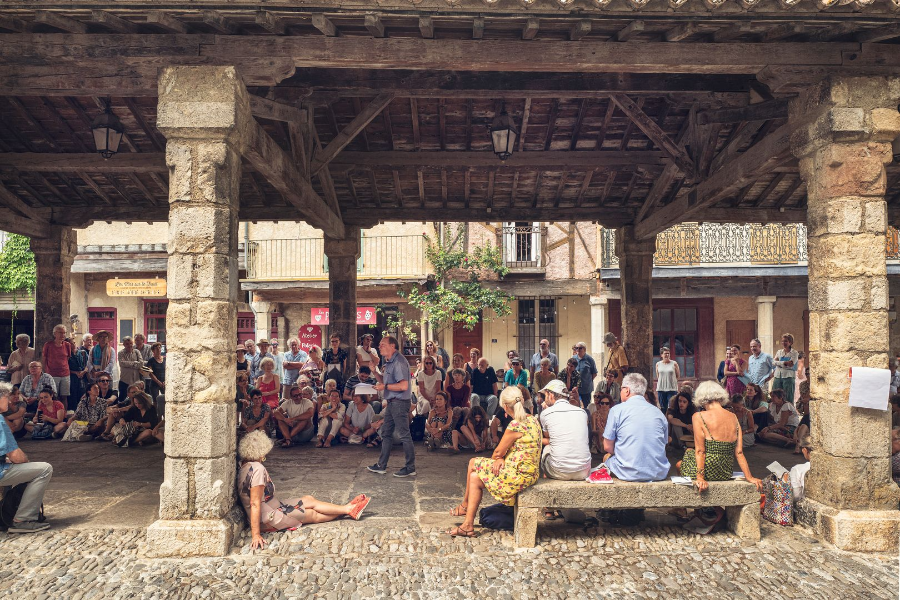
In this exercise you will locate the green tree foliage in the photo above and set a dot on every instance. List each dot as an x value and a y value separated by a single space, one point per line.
455 293
18 273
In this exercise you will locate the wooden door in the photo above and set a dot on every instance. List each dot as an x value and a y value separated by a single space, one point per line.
740 333
464 340
103 319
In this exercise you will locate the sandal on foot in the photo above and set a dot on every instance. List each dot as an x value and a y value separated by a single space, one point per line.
285 443
460 532
458 511
319 444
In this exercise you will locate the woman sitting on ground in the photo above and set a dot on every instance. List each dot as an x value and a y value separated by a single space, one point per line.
135 425
717 441
755 401
91 408
745 420
570 375
459 391
269 383
358 420
331 417
264 511
49 414
680 417
513 466
15 413
439 426
118 407
257 415
784 418
803 407
475 431
322 398
457 362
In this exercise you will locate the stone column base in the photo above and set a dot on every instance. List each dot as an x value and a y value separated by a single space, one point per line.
852 530
201 537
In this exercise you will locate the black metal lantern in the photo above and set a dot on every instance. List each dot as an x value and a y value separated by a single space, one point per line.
503 135
108 130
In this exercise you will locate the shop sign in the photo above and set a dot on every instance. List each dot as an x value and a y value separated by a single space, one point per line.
365 315
146 288
310 335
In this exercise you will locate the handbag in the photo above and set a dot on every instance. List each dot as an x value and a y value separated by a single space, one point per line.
75 430
778 506
42 431
497 516
121 433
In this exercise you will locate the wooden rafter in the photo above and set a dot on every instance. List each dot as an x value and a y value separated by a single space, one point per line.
113 22
398 188
653 131
346 136
526 114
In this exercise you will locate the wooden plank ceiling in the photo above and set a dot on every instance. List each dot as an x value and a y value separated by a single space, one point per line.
593 146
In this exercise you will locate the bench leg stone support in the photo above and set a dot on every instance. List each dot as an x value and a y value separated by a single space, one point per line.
743 521
526 526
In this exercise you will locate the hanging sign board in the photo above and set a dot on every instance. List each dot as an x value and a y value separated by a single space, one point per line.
309 336
149 288
365 315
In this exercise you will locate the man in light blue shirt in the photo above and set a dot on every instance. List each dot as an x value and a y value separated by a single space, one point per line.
760 366
635 436
293 362
394 382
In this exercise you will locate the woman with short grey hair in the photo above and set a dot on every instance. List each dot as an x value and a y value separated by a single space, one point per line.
717 439
265 512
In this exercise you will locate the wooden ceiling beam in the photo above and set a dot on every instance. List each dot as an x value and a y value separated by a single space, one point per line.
772 151
653 131
786 195
761 111
629 31
764 195
576 128
64 126
731 32
752 215
477 28
152 134
325 25
357 106
737 141
551 124
29 224
783 31
167 22
278 168
276 111
34 123
579 30
270 22
144 189
359 122
15 24
681 32
398 188
113 22
8 198
879 34
61 22
453 159
426 27
374 25
220 22
662 183
324 176
526 115
531 28
93 185
420 176
47 162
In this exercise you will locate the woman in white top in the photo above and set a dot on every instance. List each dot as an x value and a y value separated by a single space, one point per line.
785 418
366 355
429 379
358 419
667 375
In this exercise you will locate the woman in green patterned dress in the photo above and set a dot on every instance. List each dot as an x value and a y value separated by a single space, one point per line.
514 466
717 439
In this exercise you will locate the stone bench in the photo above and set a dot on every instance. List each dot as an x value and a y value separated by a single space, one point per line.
740 499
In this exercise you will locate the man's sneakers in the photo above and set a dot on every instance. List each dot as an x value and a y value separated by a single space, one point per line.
405 472
29 527
376 468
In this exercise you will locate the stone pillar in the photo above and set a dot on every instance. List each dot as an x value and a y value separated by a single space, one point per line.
262 318
843 134
599 328
765 323
53 257
342 256
635 276
204 113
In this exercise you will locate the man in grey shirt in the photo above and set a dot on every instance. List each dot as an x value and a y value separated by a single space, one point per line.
394 382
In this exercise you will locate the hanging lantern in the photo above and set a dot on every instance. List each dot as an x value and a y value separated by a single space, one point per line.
108 130
503 135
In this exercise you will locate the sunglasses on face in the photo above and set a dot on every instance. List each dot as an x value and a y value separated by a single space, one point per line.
429 363
604 404
104 381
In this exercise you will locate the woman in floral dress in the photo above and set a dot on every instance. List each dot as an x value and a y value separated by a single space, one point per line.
513 467
266 512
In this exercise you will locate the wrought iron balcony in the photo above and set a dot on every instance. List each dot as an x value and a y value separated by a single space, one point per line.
524 247
381 257
734 244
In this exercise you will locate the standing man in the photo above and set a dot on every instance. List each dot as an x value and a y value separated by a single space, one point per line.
21 357
587 368
394 382
618 360
760 366
786 368
544 352
293 362
256 359
279 359
55 358
16 469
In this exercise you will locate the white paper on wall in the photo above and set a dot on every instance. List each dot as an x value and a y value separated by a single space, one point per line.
870 388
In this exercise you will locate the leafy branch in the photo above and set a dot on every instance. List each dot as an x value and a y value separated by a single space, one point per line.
18 272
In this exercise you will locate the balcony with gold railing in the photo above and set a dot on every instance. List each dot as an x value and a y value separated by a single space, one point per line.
733 244
303 259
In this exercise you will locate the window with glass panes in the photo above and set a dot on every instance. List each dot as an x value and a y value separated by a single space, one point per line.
677 329
536 321
155 320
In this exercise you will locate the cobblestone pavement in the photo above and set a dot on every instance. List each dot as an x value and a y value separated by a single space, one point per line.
398 550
